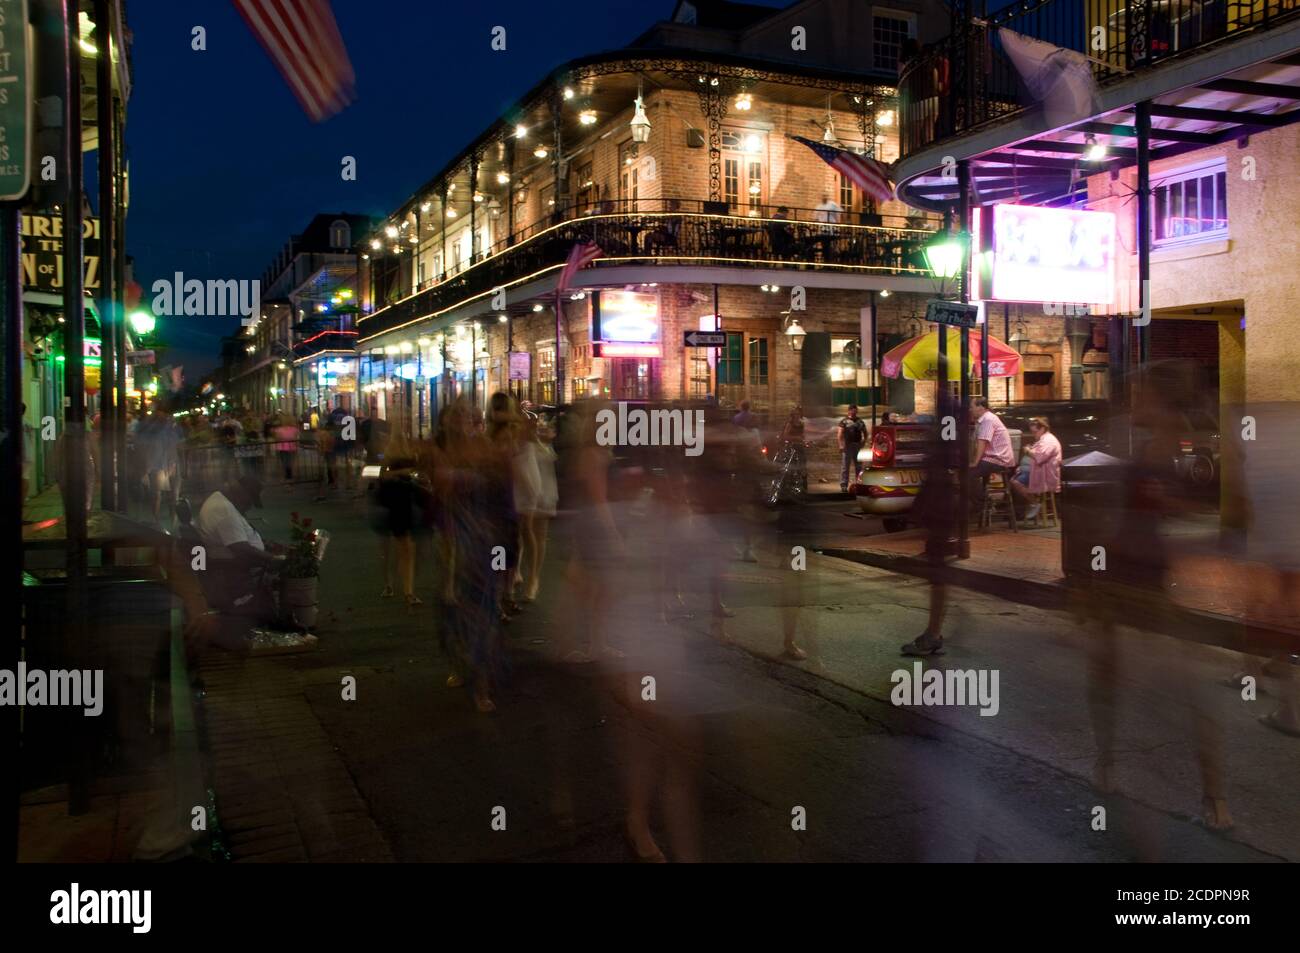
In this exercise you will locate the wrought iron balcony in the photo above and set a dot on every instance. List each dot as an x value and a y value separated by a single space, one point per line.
966 80
677 232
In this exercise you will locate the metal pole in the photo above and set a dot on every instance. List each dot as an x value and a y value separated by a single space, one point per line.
108 316
1006 339
73 477
875 374
963 431
11 376
119 326
717 326
559 364
1143 123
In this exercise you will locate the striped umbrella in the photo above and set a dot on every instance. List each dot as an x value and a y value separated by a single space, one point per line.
918 359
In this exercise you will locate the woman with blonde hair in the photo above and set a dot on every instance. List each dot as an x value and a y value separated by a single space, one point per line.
1044 466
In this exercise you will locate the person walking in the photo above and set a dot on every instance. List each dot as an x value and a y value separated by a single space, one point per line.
851 434
286 446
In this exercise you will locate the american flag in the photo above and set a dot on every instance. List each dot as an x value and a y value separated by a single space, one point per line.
583 254
303 40
865 172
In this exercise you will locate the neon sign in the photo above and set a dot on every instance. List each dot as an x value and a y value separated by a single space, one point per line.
628 319
1053 254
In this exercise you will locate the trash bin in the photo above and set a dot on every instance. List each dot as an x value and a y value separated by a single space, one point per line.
1092 507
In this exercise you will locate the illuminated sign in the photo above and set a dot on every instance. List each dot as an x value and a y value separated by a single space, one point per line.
627 319
1053 254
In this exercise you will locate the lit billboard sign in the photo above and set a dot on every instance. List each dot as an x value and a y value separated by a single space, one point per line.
1053 254
628 321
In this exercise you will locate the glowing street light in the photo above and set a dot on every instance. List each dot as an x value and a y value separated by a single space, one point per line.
142 322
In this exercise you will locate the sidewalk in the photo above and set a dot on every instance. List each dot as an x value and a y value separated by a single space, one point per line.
1211 587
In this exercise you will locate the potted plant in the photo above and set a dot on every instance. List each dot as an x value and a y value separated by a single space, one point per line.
301 575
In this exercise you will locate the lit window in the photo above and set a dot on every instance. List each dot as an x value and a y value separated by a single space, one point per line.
1191 204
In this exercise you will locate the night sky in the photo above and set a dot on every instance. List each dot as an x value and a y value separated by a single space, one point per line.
225 165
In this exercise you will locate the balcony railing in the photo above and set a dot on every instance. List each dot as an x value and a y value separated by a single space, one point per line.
673 231
966 79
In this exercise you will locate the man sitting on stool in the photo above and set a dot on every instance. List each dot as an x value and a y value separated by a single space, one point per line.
242 570
992 452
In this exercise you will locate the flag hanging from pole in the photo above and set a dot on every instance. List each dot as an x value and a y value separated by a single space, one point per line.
866 173
303 41
583 254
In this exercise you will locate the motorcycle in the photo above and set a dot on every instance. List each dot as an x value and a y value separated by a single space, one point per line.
790 481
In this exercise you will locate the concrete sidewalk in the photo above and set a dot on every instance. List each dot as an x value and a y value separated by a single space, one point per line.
1214 590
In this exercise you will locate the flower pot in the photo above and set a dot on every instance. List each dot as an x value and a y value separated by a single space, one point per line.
299 601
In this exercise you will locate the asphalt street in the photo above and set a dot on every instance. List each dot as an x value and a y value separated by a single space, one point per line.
754 757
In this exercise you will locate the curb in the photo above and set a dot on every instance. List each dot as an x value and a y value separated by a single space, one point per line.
1207 628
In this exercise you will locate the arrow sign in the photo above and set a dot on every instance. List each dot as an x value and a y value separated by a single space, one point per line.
706 339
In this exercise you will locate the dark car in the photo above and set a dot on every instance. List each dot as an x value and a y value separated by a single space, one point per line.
1080 425
1198 458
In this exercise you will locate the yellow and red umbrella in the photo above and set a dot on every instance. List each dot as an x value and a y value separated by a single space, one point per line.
918 359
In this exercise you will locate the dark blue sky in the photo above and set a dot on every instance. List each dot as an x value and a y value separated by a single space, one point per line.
225 165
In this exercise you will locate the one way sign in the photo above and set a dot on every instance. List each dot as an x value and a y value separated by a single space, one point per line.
706 339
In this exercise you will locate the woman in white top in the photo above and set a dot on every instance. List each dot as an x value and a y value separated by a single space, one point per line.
535 500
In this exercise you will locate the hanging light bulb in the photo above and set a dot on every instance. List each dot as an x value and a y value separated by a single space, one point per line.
587 117
1096 150
391 231
541 152
744 101
503 178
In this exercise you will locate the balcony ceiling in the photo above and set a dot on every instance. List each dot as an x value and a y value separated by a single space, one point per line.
1049 167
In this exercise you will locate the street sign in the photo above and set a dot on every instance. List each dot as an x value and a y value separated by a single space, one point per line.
706 339
15 101
137 357
952 313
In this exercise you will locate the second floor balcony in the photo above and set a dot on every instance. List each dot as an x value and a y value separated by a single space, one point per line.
659 232
966 81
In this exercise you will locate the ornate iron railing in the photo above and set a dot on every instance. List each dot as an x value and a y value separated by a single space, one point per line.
966 79
657 233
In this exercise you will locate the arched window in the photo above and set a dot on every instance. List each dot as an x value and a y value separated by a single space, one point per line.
340 234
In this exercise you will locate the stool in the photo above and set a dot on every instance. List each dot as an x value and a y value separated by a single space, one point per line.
999 492
1047 510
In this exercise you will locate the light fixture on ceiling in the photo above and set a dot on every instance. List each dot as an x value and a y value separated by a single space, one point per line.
568 92
744 102
521 131
391 231
886 118
503 178
541 152
587 117
1096 151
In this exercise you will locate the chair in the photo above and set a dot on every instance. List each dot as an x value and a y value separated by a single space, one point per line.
1047 510
999 493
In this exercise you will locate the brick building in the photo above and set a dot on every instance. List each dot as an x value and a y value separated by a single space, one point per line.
674 156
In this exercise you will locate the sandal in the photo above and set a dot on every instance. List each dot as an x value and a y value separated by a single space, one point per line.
794 652
413 600
387 593
1214 815
454 681
924 644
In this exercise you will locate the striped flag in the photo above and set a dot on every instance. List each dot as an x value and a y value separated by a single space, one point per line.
303 40
866 173
583 254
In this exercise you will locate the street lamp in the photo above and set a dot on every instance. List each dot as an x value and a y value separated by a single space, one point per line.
640 122
1020 338
795 334
142 322
944 257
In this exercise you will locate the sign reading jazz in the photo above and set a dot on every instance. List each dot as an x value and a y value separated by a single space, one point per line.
43 251
1053 254
15 101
